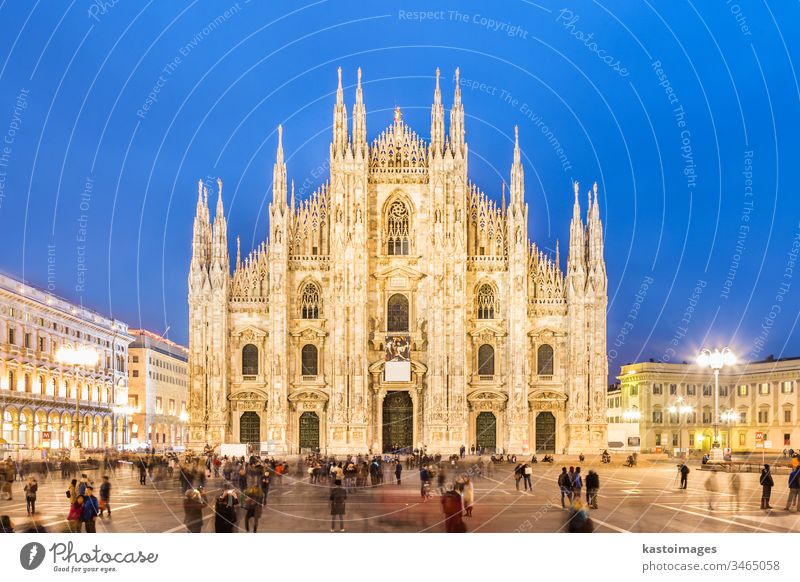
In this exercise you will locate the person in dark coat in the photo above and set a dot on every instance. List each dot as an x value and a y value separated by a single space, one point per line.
592 488
91 507
398 471
31 487
684 471
105 496
253 505
338 498
193 511
225 510
453 507
767 483
142 472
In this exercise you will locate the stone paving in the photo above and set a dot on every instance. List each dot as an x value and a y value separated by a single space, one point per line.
644 498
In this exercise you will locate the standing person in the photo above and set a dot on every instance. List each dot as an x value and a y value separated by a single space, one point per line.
142 472
684 471
225 509
265 485
72 492
468 495
767 483
8 478
794 490
193 511
565 486
338 498
91 508
592 488
253 506
452 506
527 472
398 471
31 487
577 483
105 496
518 472
463 451
74 515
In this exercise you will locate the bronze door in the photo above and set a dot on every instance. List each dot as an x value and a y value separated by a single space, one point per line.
545 432
398 422
486 432
309 431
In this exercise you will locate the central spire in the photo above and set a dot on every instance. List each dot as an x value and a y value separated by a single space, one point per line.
339 119
437 119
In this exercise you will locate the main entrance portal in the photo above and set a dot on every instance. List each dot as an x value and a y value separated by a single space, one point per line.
309 432
486 432
398 422
250 429
545 432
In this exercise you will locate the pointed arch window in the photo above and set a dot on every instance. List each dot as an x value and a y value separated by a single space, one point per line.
309 302
249 360
544 360
486 302
486 360
397 228
397 313
309 360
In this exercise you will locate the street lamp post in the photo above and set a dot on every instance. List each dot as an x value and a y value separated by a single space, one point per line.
680 408
79 357
716 360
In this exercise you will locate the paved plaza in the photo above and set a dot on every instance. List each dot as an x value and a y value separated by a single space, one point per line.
644 498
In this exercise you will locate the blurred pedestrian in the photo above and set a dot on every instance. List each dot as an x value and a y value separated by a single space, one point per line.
577 483
767 483
794 490
565 486
527 473
225 510
193 507
91 507
338 498
592 488
253 506
468 495
105 496
31 487
735 487
6 525
452 506
398 471
74 515
579 520
518 472
712 487
683 469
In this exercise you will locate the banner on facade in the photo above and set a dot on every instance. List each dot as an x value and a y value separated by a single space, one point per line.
398 359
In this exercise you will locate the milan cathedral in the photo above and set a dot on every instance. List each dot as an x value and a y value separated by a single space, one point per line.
398 307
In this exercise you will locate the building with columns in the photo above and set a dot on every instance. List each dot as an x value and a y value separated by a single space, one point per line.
672 405
37 393
158 391
398 306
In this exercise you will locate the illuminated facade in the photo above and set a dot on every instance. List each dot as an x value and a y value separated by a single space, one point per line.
397 307
37 393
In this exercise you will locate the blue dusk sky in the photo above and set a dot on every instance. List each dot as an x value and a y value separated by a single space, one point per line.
685 113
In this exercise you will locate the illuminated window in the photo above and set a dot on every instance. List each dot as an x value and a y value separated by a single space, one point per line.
486 302
397 229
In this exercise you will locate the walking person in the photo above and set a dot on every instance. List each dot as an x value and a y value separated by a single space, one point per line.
338 498
518 472
735 486
794 490
31 487
712 487
253 506
105 496
452 506
527 473
398 471
225 510
468 496
577 483
767 483
565 486
265 485
91 508
142 472
74 515
193 506
683 469
592 488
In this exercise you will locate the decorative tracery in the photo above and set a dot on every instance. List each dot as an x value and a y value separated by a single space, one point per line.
397 228
310 302
486 302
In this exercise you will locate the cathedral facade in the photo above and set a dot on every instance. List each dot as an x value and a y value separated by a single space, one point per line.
398 307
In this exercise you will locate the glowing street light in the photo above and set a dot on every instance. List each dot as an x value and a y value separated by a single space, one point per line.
716 360
79 357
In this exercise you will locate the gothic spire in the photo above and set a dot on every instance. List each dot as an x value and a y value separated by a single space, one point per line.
359 121
575 260
517 187
437 118
457 119
339 120
279 174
